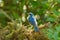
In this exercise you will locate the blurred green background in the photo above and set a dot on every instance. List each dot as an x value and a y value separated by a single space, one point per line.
15 26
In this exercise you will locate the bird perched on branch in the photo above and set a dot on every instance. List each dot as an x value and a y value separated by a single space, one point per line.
33 21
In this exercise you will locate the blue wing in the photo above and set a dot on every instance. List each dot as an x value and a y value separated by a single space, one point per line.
32 20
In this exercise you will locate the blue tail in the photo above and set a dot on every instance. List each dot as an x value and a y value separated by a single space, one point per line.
36 29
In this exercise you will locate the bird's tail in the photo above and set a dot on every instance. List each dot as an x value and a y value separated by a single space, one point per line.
36 29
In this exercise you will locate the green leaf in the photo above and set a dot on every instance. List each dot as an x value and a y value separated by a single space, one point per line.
50 19
58 28
15 15
55 35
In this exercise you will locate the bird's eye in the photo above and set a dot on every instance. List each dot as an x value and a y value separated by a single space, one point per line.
29 14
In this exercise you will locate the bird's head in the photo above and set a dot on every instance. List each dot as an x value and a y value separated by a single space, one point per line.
30 13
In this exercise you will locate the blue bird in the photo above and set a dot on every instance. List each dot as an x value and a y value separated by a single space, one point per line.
33 21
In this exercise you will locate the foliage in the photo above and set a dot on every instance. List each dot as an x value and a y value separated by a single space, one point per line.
14 24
